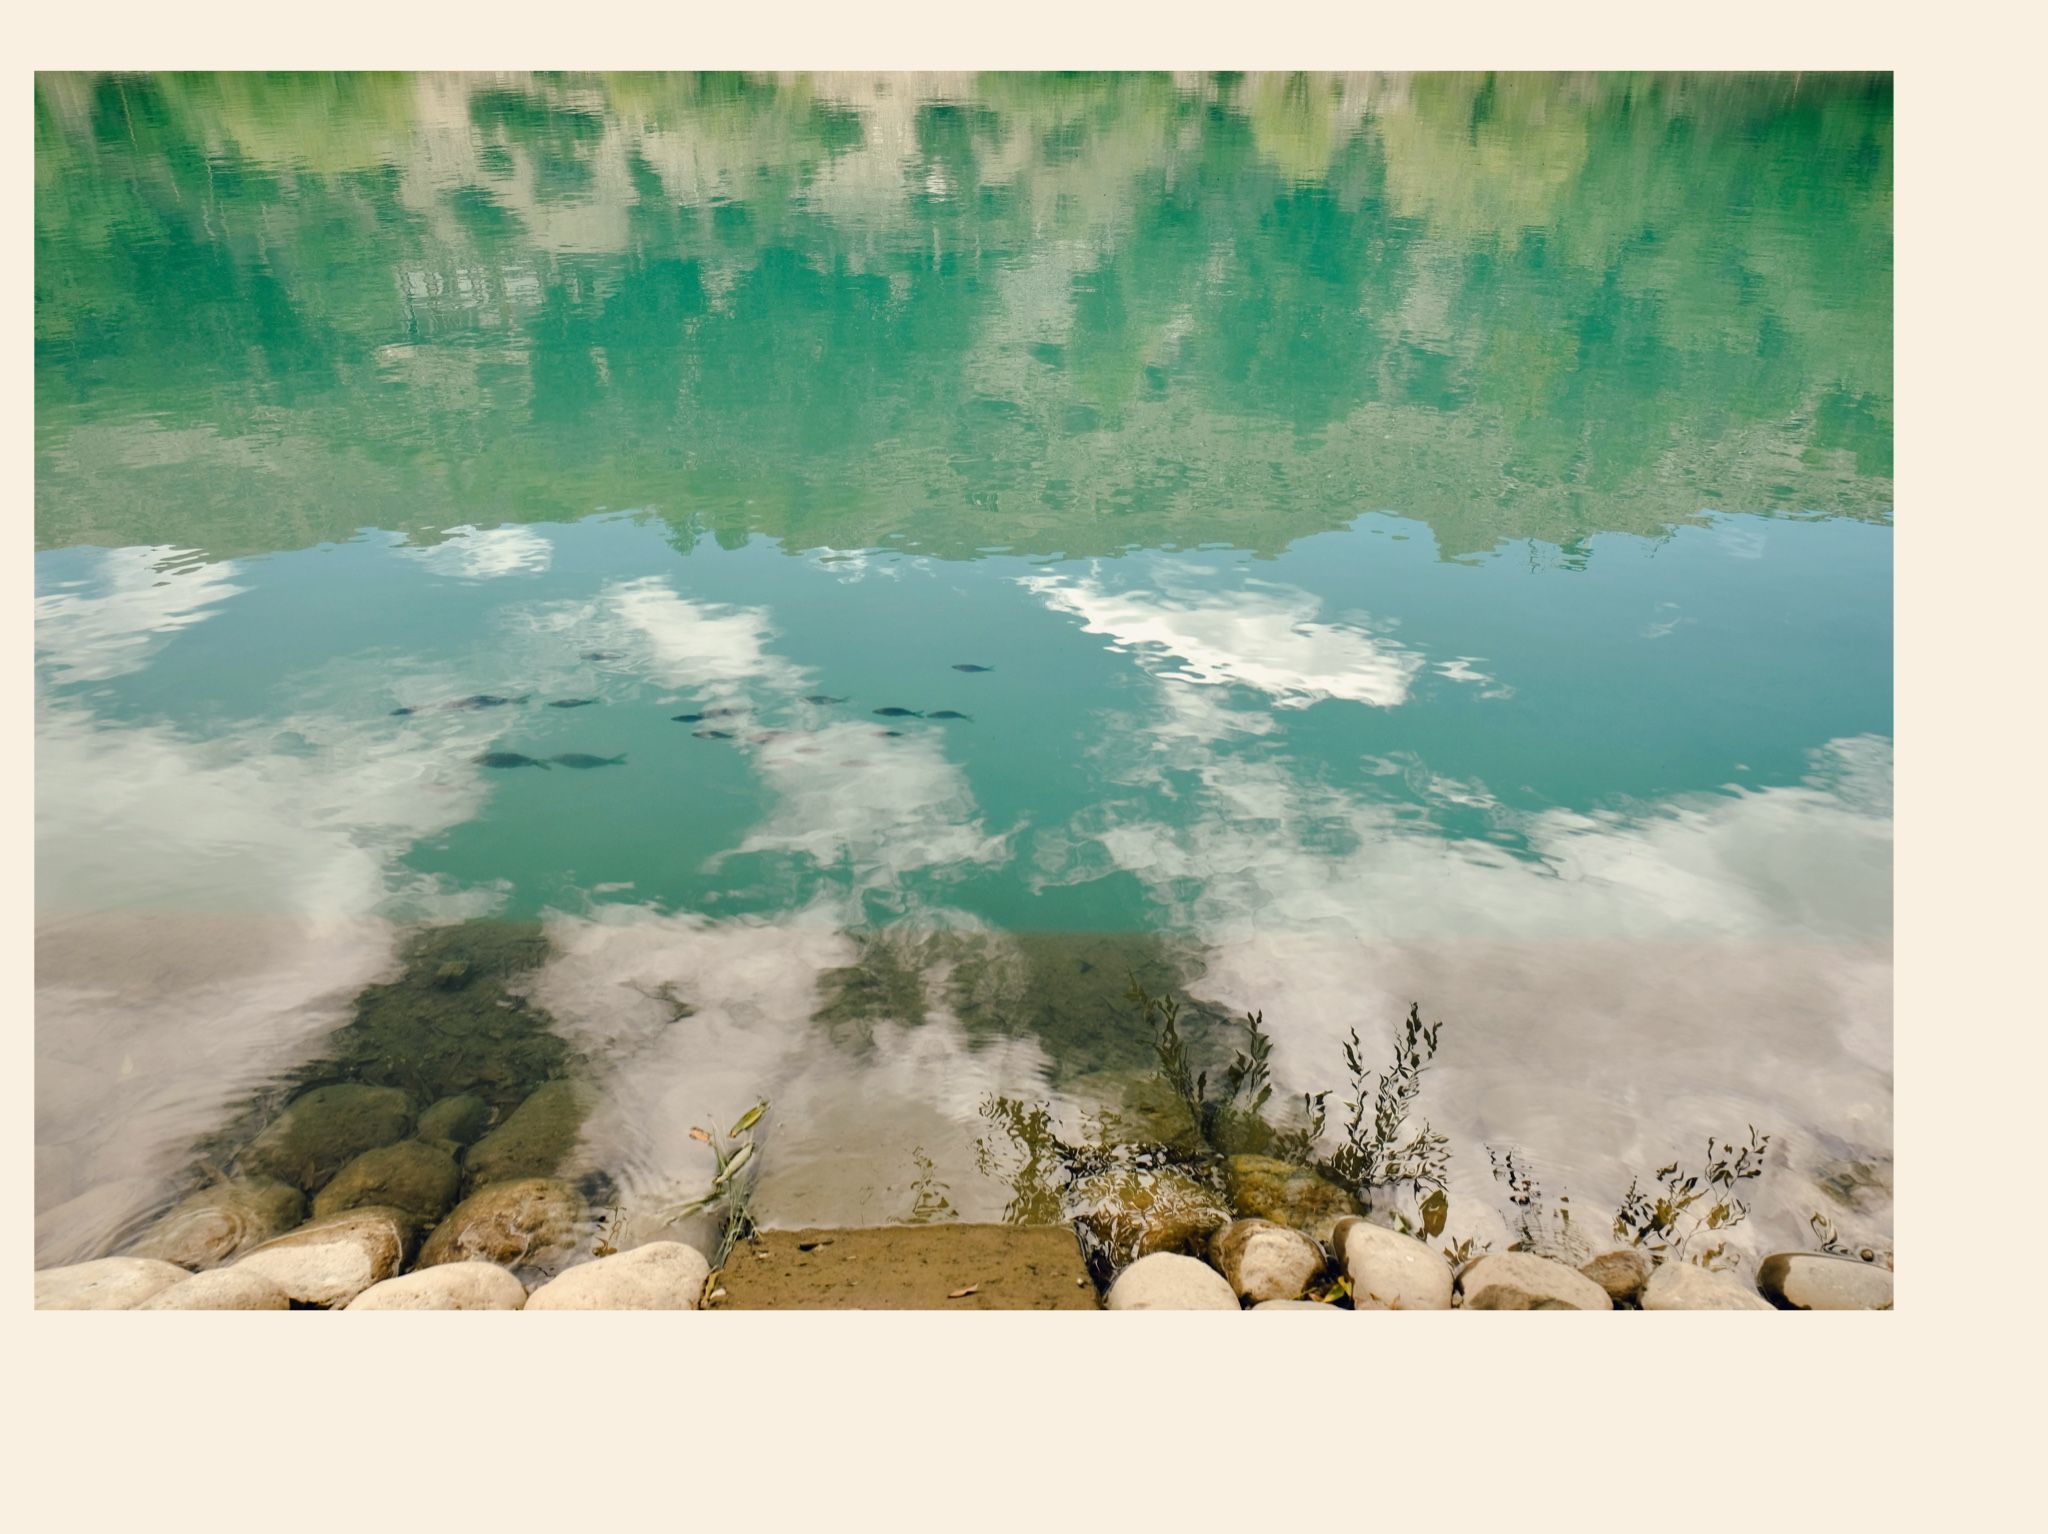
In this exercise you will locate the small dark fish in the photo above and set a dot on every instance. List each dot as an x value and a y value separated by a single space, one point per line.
400 713
712 734
899 713
509 759
582 759
951 713
892 734
687 718
572 702
600 654
487 700
970 666
823 698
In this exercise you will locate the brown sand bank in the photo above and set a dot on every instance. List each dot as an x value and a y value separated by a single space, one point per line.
910 1267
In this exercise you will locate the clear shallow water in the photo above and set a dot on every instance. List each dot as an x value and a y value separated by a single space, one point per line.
1430 538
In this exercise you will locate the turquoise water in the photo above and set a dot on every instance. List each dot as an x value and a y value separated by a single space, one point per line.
1426 539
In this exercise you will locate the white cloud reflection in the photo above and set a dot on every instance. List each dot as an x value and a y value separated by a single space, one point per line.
109 627
479 555
1260 635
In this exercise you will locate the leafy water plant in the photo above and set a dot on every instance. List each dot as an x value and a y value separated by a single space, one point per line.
732 1186
928 1201
1545 1229
1233 1120
1686 1205
1375 1156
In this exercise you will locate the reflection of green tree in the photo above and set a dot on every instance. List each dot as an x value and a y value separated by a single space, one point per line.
1081 312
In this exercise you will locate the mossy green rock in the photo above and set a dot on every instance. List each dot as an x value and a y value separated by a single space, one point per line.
456 1120
534 1140
1129 1213
530 1224
418 1178
1262 1188
220 1223
324 1130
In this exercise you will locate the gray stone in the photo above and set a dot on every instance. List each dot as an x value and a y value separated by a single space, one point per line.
111 1283
1130 1213
1168 1281
1263 1188
1524 1281
1819 1281
663 1275
218 1224
418 1178
451 1286
533 1141
1621 1273
234 1288
457 1120
1390 1271
326 1264
325 1129
1334 1310
531 1223
1264 1261
1687 1286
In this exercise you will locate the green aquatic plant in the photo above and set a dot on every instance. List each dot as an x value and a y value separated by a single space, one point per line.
732 1185
1375 1155
1232 1120
1686 1206
928 1203
1545 1229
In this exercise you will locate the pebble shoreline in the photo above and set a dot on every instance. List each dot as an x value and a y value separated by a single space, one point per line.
347 1201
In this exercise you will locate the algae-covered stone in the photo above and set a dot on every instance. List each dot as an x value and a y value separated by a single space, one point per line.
1264 1261
220 1223
325 1129
663 1275
529 1223
326 1264
111 1283
457 1120
1524 1281
420 1179
534 1140
1820 1281
1168 1281
235 1288
1130 1213
1390 1271
1262 1188
1688 1286
451 1286
1621 1273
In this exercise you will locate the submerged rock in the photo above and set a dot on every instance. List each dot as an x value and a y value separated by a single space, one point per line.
1131 1213
1524 1281
111 1283
455 1120
1688 1286
531 1222
325 1129
1168 1281
1390 1271
222 1289
328 1263
222 1222
451 1286
1267 1189
420 1179
1264 1261
1820 1281
664 1275
1621 1273
534 1140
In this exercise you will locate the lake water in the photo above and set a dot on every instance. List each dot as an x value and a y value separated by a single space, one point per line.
1417 539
